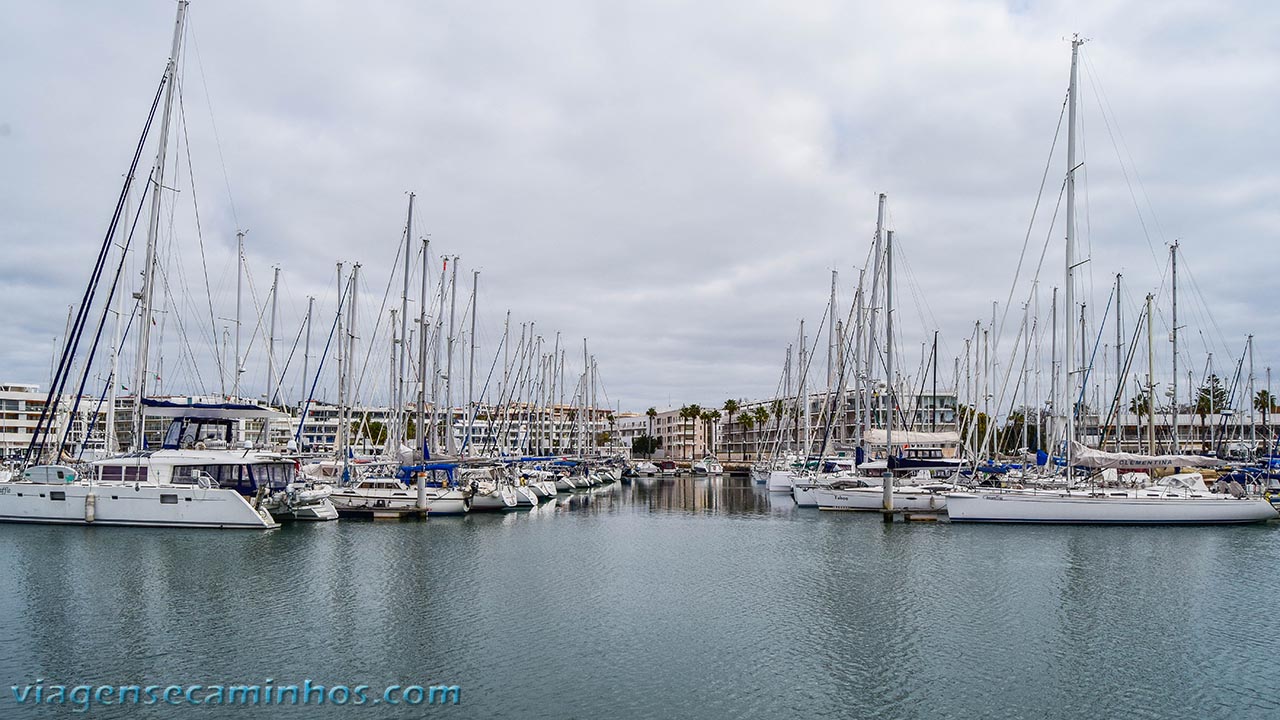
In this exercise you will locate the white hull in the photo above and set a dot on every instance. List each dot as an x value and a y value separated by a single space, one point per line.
525 497
781 481
448 501
905 499
564 484
1064 509
497 500
806 493
136 504
316 511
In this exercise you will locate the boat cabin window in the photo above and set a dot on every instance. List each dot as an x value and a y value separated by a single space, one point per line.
124 473
168 499
57 494
196 432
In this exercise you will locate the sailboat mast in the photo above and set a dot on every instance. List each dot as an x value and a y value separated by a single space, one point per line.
271 337
1151 386
887 497
1119 369
153 232
1173 257
869 366
397 417
1069 300
420 428
235 380
450 442
471 355
342 369
1253 424
306 352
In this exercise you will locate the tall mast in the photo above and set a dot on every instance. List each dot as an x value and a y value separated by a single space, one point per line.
471 355
111 440
858 338
1069 302
868 367
271 339
1253 425
235 380
933 414
450 442
420 429
435 360
1151 386
1173 256
803 395
342 370
1119 370
831 334
397 418
393 382
306 352
153 231
887 488
348 409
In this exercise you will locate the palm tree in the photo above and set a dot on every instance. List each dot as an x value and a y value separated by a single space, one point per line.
762 419
653 414
1264 402
694 412
748 421
731 408
708 417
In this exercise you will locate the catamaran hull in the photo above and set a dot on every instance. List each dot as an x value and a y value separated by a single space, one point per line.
1057 509
131 505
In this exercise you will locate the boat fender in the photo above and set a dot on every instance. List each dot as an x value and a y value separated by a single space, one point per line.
90 507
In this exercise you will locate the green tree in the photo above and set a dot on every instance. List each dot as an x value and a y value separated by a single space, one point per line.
645 445
762 415
731 408
747 421
690 414
374 432
1140 404
978 422
709 418
1265 403
1210 398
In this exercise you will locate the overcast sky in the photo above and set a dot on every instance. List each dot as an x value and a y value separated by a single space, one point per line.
674 181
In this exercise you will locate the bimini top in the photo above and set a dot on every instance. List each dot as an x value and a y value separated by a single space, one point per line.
221 411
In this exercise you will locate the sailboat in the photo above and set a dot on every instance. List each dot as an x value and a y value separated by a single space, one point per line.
1184 501
165 488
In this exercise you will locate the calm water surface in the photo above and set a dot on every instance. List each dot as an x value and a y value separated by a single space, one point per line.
669 599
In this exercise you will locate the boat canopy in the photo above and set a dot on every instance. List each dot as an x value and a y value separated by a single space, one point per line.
223 411
1088 457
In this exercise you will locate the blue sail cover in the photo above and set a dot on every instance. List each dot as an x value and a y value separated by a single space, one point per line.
1042 458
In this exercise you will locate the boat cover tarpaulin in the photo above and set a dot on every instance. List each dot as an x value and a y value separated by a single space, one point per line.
909 437
232 411
1088 457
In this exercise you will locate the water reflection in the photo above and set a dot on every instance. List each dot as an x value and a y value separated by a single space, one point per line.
722 495
689 597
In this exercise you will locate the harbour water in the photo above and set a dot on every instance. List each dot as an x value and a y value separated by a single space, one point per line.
688 598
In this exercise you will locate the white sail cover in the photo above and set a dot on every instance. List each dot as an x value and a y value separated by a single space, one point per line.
877 437
1088 457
